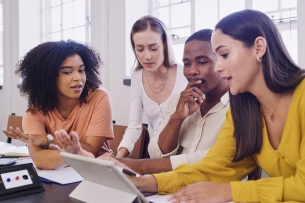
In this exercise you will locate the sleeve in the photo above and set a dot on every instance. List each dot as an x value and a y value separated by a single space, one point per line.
274 189
190 158
101 118
134 128
33 123
217 166
153 147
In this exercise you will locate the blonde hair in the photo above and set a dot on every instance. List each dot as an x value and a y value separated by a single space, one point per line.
156 25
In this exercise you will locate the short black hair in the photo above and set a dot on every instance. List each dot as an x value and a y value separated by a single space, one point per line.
40 68
201 35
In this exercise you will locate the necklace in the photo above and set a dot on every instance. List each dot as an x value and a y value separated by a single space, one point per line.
271 114
162 84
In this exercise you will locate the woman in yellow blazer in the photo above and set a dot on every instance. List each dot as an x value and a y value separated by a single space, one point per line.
265 125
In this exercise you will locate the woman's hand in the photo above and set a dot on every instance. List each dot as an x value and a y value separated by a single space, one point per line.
35 140
69 143
203 192
146 183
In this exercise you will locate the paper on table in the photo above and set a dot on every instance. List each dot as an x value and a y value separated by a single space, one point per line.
158 198
14 151
62 175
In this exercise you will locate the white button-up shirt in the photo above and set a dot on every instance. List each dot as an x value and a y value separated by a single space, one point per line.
197 134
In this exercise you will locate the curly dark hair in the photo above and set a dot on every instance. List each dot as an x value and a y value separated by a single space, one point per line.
40 67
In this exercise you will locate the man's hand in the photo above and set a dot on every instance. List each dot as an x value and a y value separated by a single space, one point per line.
69 143
203 192
190 100
35 140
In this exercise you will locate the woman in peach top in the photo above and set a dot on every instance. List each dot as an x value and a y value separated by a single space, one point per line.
61 82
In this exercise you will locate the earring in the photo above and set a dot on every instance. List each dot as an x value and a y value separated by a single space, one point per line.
259 59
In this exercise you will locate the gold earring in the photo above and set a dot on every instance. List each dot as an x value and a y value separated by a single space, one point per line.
259 59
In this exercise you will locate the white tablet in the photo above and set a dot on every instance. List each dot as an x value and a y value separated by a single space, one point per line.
103 182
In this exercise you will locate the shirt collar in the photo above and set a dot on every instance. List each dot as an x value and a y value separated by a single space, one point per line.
225 98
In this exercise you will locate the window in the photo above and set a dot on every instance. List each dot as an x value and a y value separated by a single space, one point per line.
184 17
66 19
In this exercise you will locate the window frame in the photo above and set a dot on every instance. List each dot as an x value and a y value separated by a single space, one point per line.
61 31
248 5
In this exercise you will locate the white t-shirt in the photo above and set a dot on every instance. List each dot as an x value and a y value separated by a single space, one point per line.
140 103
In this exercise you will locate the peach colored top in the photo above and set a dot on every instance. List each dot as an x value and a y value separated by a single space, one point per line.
91 119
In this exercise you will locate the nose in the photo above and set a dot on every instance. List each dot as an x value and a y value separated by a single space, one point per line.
76 76
147 54
218 67
194 70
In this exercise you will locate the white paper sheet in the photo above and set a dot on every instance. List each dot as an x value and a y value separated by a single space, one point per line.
63 175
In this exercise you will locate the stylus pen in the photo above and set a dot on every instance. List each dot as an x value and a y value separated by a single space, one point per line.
128 172
45 180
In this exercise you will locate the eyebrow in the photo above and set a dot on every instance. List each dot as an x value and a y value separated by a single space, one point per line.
197 58
219 48
63 67
148 45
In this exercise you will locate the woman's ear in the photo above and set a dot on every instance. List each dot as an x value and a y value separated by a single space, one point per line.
260 46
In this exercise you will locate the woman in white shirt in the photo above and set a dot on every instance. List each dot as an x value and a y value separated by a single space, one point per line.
155 79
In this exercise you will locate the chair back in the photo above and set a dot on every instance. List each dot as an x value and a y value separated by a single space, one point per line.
14 121
140 147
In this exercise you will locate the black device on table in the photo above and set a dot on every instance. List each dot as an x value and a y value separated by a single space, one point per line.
19 180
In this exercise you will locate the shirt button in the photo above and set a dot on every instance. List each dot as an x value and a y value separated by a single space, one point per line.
192 150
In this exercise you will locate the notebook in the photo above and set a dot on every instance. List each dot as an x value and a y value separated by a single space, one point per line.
14 151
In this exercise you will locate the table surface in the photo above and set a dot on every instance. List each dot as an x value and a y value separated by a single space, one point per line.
53 193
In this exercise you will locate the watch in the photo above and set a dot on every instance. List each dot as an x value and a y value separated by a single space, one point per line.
50 140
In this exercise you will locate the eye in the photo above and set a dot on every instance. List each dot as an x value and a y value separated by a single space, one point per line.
81 71
67 72
139 50
154 49
202 63
187 64
224 55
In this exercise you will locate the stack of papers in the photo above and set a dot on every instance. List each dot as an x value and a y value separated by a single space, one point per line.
14 151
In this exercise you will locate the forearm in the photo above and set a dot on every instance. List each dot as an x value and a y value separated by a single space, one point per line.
45 159
148 166
146 183
168 138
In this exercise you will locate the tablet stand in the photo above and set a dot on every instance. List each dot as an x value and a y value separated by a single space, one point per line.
92 192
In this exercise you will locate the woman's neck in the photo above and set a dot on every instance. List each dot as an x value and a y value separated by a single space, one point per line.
158 74
66 107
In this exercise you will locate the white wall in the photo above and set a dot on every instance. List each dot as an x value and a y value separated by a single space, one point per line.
301 33
21 33
122 15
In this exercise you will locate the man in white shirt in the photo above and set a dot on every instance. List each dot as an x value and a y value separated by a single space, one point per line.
194 117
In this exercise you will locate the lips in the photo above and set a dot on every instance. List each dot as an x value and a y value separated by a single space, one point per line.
195 79
148 64
77 87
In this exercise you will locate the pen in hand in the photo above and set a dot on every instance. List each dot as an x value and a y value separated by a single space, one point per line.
128 172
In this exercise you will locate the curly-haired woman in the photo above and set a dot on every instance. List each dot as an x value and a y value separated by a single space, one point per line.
60 80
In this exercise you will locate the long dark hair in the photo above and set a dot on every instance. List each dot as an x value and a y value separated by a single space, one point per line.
40 67
280 73
156 25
